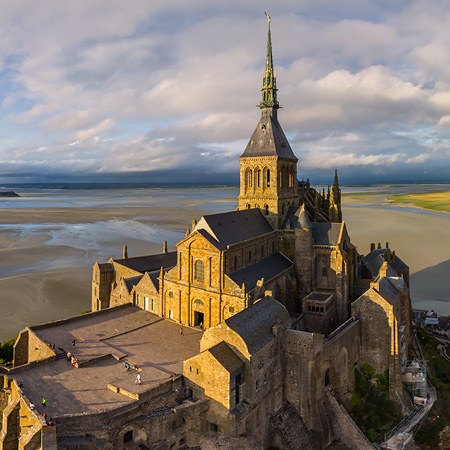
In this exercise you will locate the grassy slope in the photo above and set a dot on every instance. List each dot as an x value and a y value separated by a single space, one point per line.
436 201
428 436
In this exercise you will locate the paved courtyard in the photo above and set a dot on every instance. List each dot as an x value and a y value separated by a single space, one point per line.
153 347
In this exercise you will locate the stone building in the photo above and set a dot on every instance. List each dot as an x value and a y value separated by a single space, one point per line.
247 336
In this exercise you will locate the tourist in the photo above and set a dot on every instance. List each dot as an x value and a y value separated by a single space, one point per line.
44 402
181 331
74 342
138 379
69 356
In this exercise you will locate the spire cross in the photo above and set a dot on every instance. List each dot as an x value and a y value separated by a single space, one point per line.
269 89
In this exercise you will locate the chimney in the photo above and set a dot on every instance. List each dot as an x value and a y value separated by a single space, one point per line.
387 244
194 223
165 247
383 270
372 246
379 245
125 251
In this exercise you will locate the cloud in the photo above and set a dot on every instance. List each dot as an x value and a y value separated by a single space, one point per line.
103 86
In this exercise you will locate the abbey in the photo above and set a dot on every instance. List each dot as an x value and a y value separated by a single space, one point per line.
246 336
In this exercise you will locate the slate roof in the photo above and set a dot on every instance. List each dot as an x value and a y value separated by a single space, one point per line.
375 259
235 226
388 291
254 324
325 233
297 218
267 268
149 263
133 281
226 357
268 139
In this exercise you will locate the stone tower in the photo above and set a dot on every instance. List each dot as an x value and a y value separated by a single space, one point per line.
268 167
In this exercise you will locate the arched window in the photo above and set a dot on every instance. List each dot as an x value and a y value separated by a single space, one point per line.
199 270
248 206
198 302
128 437
268 178
258 178
249 178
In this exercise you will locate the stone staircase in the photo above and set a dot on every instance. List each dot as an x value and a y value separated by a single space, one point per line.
291 428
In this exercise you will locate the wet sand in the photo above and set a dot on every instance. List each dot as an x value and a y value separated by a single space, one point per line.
45 270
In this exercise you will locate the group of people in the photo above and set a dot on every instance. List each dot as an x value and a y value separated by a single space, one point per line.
128 368
72 359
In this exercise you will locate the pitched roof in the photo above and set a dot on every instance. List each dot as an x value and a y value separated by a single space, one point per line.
227 357
388 290
268 139
376 258
235 226
325 233
149 263
133 281
254 324
267 268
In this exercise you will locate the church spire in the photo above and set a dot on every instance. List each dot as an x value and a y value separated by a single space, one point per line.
269 89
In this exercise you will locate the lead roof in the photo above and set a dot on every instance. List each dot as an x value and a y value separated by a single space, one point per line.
149 263
226 357
325 233
267 268
255 323
235 226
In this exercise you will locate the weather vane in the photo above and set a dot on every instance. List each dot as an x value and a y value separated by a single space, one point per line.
268 18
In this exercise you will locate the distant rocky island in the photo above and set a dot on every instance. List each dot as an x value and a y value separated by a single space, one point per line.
8 194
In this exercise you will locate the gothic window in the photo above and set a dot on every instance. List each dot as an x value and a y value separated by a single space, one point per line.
199 270
235 262
248 206
249 178
324 271
268 178
153 305
258 178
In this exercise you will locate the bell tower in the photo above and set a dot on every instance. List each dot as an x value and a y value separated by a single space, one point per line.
268 167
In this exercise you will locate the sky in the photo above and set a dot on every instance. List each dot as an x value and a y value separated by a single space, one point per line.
166 91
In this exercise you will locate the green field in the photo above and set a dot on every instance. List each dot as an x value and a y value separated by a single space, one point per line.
436 201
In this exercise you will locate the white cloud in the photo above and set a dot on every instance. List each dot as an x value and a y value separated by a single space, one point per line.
154 86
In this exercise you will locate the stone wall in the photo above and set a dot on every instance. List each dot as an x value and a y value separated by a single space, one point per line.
344 428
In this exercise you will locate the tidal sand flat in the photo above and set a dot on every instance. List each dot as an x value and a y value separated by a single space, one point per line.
419 237
49 241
